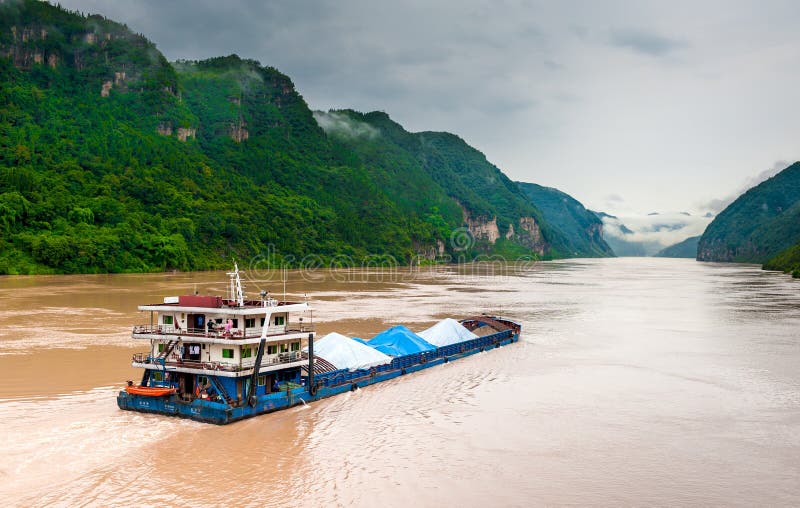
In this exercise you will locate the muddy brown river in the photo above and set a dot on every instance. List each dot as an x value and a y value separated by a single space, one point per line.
636 382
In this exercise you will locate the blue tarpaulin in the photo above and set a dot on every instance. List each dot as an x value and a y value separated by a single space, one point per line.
400 341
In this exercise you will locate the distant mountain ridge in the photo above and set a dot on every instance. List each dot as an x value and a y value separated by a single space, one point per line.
622 245
684 249
760 224
582 228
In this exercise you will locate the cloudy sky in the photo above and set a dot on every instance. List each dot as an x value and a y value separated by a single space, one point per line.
631 107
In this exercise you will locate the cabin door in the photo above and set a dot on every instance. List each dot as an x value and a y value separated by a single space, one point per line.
191 351
185 383
196 323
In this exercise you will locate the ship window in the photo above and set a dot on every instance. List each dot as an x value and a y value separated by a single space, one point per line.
295 346
272 350
262 380
202 380
284 348
167 320
279 320
161 347
158 376
227 353
247 352
250 322
262 321
235 322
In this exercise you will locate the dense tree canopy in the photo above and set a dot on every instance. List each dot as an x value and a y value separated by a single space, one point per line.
113 160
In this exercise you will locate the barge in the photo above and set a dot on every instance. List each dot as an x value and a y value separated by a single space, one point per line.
219 360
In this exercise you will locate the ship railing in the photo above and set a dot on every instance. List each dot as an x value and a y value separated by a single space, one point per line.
141 357
287 357
219 334
280 358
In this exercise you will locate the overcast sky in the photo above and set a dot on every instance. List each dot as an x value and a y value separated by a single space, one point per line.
629 106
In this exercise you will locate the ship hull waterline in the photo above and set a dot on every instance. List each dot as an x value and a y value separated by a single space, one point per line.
221 413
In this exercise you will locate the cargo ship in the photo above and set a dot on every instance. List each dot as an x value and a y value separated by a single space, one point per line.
221 359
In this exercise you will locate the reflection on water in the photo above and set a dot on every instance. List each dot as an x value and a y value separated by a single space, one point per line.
637 382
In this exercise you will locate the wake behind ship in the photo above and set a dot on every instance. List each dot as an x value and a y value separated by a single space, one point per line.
219 360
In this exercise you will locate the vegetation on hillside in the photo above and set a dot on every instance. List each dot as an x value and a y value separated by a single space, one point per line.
582 228
787 261
446 179
761 223
114 160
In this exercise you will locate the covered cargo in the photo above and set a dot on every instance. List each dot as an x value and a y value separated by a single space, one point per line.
346 353
400 341
445 332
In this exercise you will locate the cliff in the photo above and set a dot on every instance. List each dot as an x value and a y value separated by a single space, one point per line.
447 183
583 230
758 225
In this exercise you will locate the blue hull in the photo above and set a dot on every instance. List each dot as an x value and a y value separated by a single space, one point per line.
325 385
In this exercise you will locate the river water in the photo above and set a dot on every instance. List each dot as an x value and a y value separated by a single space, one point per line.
637 381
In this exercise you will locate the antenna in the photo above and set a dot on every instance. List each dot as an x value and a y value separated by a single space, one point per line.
236 290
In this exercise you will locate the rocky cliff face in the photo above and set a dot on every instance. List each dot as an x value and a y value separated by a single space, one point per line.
528 233
533 238
100 56
595 232
481 228
581 230
238 131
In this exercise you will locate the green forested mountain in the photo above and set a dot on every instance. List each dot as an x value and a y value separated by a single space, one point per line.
113 159
759 225
450 182
684 249
583 229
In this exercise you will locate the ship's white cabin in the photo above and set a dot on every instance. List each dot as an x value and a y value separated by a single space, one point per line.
194 333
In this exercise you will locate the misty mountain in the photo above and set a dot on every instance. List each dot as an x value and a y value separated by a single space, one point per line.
647 235
623 240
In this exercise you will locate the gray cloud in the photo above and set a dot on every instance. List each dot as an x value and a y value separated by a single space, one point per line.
656 231
340 124
717 205
646 43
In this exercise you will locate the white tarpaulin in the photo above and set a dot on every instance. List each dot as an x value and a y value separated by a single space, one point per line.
346 353
445 332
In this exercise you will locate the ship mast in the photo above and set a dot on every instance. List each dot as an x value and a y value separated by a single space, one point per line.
236 292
